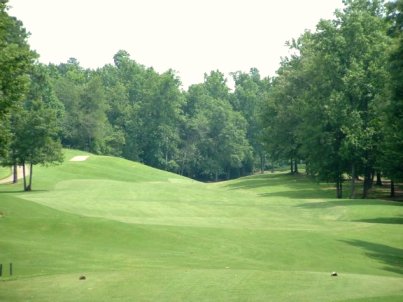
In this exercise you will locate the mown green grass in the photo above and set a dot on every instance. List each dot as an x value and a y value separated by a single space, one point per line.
140 234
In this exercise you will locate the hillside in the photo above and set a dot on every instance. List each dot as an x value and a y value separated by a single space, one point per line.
141 234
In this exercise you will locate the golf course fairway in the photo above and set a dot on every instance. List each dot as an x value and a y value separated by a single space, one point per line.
140 234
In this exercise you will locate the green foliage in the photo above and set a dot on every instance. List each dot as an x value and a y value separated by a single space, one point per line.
128 110
28 107
35 127
16 60
335 104
327 104
392 158
248 99
85 123
159 114
4 135
214 136
281 115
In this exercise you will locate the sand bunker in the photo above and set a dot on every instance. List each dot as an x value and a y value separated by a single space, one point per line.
79 158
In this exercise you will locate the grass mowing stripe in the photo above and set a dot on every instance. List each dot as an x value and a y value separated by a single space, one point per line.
141 234
202 285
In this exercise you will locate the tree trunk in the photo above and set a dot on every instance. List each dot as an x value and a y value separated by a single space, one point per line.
295 167
262 163
24 176
378 179
371 182
30 177
89 143
367 183
292 166
339 188
392 188
182 170
15 173
352 193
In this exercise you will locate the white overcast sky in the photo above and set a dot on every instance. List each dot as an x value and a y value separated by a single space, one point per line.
189 36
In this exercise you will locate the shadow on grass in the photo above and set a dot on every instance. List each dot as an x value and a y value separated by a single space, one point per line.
302 194
264 180
384 220
19 191
347 202
284 185
390 256
11 192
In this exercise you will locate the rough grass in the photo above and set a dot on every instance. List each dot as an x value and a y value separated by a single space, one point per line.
139 234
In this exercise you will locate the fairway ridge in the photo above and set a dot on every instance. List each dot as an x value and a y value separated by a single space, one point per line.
142 234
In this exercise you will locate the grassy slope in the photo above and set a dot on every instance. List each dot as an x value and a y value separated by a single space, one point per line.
140 234
4 172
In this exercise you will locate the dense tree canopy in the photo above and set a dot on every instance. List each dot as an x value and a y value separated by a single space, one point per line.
334 105
132 111
16 59
29 109
392 155
333 94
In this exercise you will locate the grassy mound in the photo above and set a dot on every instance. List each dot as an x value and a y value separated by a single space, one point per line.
140 234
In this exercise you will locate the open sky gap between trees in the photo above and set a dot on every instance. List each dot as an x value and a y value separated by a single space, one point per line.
336 105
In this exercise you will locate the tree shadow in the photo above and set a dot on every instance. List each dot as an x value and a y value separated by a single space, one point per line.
384 220
263 180
289 185
12 192
23 192
302 194
391 257
348 202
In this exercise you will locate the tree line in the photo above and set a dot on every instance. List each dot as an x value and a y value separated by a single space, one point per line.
335 105
337 102
126 109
